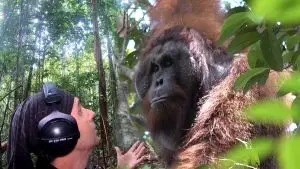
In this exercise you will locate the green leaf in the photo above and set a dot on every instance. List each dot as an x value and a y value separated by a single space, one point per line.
271 49
286 11
260 79
239 154
247 79
131 59
281 35
291 57
290 85
231 25
255 18
291 41
237 9
262 146
296 108
295 59
287 57
270 111
289 153
242 41
255 56
246 153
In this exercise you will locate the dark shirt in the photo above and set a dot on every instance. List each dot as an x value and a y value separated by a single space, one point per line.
42 164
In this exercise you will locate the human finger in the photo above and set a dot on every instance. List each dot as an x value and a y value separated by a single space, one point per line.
140 146
141 159
119 152
133 147
141 152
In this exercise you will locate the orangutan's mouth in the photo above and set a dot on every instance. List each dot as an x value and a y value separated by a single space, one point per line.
159 99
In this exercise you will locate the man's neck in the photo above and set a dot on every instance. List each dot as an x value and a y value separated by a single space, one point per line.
74 160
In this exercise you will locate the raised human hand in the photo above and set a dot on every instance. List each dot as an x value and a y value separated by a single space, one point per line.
133 157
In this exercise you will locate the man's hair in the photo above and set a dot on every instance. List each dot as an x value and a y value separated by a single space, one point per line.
24 128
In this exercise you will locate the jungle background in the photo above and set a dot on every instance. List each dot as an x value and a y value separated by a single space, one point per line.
90 48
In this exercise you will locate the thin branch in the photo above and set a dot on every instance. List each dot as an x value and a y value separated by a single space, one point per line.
4 116
123 48
124 23
238 164
149 5
10 93
131 28
138 22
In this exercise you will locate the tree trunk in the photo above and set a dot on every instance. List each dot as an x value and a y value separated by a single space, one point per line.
113 86
102 85
22 71
39 53
29 80
3 123
112 73
125 132
77 71
42 68
20 34
126 71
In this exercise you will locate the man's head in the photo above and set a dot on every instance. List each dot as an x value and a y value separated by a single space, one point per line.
87 128
24 133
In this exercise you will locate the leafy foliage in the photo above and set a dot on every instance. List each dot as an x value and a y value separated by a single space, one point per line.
271 32
246 80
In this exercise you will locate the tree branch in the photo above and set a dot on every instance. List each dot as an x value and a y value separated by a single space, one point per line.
145 2
137 23
10 93
238 164
126 71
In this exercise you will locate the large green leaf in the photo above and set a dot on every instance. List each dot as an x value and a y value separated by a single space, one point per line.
131 59
296 108
242 41
292 59
252 76
240 155
286 11
291 41
271 49
232 24
290 85
237 9
289 57
255 56
289 153
270 111
296 61
262 146
255 18
247 153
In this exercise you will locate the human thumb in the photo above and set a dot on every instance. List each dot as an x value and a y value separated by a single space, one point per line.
119 152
